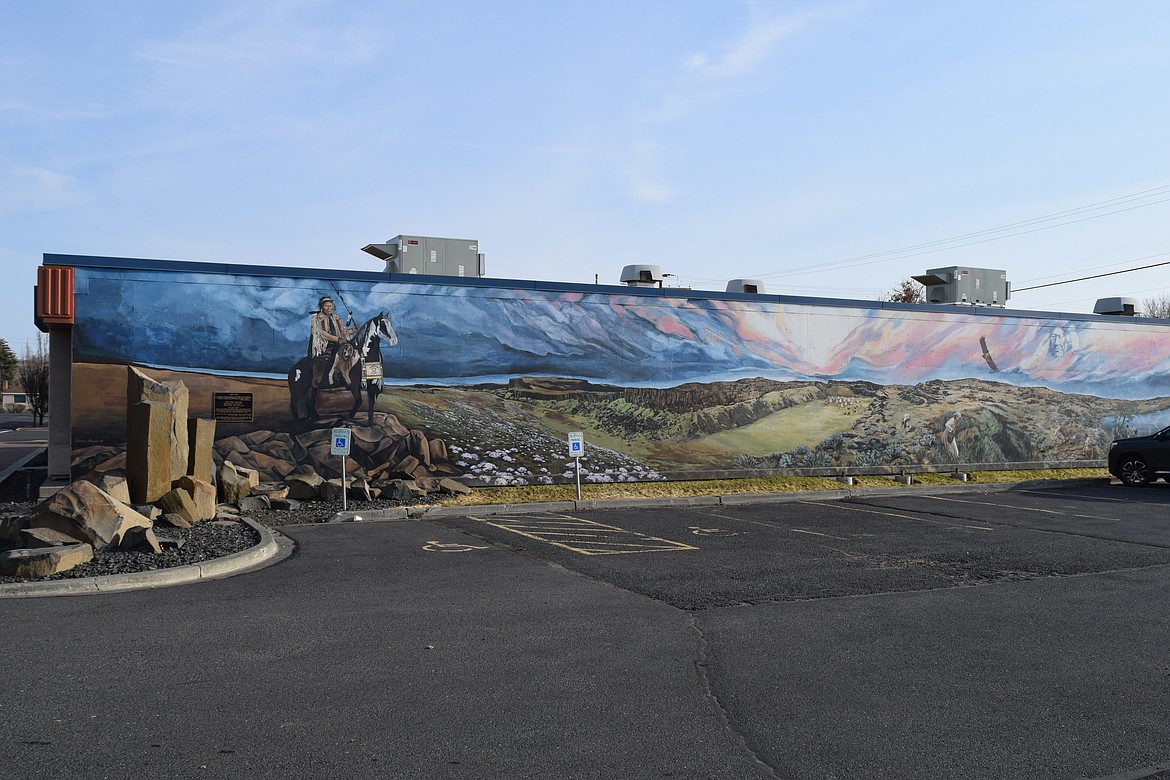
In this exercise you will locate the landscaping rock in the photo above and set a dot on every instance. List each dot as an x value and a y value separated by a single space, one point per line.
303 485
254 503
116 485
453 488
202 493
30 538
175 520
156 435
43 561
235 483
179 502
142 539
89 514
200 446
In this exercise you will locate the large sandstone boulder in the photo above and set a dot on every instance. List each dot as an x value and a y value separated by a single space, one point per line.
200 446
236 482
43 561
116 485
303 484
331 490
10 528
453 487
142 539
274 490
202 493
403 490
156 435
44 537
89 514
179 502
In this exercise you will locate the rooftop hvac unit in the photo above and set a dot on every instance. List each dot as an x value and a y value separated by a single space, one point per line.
426 255
1124 307
972 286
642 276
750 286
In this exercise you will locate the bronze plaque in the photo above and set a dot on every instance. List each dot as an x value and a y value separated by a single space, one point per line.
232 407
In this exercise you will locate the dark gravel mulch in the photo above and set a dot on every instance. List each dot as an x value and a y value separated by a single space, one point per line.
202 542
323 511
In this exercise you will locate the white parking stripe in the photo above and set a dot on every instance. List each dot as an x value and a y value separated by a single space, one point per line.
1022 508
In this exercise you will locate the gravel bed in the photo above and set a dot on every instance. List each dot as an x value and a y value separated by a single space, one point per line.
202 542
323 511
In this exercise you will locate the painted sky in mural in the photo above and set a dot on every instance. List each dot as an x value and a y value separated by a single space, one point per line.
455 334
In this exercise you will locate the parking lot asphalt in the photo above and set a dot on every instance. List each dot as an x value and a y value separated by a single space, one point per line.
1020 633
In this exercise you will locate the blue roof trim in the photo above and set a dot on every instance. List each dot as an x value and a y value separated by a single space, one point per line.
232 269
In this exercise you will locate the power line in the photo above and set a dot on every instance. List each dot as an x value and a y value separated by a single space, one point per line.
1095 276
1106 265
986 235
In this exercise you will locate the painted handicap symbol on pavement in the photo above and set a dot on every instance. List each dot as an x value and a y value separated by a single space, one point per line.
436 546
697 531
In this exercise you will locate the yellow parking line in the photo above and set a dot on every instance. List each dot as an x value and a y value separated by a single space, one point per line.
817 533
584 537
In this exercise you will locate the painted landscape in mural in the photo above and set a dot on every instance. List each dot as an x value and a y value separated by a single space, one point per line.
483 383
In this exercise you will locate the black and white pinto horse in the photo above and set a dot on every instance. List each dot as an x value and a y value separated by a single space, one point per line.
358 367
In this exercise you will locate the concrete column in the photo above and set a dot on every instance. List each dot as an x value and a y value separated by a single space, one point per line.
60 404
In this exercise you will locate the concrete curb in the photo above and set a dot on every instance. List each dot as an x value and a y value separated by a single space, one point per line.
733 499
272 548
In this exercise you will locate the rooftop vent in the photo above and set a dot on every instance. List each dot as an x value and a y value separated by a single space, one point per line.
1124 307
750 286
642 276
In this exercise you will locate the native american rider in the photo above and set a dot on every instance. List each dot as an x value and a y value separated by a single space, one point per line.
328 336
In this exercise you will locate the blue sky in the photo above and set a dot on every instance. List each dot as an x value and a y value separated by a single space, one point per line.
805 143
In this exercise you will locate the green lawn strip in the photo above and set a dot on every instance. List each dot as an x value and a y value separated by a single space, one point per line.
633 490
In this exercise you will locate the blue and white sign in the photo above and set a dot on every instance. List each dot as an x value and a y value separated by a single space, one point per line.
340 442
576 444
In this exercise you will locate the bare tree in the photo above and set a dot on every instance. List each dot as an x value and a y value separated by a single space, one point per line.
33 375
1157 307
908 291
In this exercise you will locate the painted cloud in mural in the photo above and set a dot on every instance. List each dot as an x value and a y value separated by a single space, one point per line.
454 334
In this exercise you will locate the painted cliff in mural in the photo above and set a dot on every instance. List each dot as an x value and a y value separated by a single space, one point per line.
482 381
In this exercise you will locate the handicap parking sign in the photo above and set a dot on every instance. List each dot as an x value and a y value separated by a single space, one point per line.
340 445
576 444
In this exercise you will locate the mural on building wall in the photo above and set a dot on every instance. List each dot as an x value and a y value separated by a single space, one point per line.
483 382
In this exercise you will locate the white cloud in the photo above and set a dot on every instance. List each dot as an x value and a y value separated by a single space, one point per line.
751 49
27 188
707 78
256 46
646 180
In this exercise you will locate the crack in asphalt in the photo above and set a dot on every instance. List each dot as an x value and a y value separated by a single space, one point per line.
710 690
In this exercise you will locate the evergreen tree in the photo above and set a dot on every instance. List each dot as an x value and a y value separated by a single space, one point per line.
8 362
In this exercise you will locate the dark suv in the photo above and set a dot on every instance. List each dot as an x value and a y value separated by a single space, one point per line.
1141 460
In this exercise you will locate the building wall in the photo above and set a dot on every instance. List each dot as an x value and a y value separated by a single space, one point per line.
492 374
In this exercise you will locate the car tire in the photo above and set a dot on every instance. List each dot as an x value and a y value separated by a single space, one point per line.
1134 472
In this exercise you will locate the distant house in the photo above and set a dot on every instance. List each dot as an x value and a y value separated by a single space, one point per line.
13 395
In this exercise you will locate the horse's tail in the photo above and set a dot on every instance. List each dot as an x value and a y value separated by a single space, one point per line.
297 379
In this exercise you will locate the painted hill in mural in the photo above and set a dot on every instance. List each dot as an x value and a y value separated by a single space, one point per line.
515 433
755 424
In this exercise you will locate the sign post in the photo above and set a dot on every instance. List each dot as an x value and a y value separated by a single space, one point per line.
576 450
340 446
